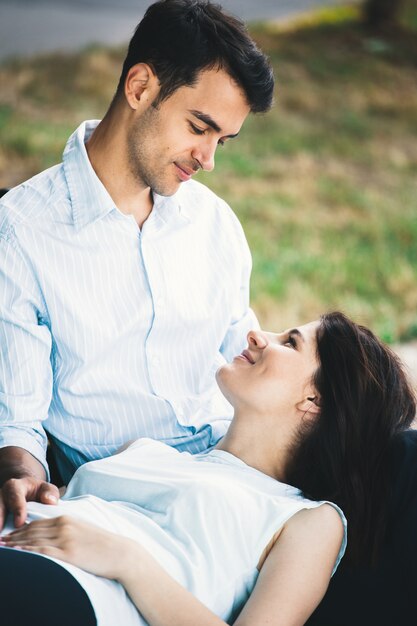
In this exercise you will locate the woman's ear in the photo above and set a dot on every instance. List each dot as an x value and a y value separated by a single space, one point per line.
310 405
141 86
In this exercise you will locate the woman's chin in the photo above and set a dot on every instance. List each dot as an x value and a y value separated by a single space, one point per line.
221 379
220 372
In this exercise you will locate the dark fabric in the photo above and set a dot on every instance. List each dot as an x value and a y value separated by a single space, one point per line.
35 591
56 477
386 594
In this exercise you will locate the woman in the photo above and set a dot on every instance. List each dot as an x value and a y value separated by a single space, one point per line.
190 538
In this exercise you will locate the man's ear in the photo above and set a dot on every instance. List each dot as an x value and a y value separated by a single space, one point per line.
310 405
141 86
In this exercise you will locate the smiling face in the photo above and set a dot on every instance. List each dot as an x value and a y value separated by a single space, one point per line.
170 143
274 373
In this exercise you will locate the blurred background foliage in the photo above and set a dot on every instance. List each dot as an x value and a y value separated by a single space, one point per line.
325 184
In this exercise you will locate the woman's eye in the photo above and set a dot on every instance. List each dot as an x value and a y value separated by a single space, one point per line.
291 341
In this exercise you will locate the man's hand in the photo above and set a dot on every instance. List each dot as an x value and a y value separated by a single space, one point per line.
16 492
22 478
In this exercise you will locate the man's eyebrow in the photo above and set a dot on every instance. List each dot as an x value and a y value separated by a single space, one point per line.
207 119
295 331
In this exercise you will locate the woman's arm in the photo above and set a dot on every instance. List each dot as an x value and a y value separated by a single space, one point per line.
293 578
297 571
159 598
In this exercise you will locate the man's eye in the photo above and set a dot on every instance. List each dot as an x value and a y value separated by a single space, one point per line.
196 129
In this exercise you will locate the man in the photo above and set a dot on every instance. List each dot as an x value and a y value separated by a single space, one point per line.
124 283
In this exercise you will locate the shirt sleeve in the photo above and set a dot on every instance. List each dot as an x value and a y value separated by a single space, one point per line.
25 350
243 318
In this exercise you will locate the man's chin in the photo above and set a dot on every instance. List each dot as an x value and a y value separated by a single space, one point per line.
167 191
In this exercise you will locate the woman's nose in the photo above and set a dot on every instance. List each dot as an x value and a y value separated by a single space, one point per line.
257 339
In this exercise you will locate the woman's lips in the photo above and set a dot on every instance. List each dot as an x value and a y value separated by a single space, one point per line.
246 356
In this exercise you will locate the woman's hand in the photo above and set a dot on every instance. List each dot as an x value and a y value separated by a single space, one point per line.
79 543
160 599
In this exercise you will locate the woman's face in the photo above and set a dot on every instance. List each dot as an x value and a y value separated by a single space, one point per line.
274 372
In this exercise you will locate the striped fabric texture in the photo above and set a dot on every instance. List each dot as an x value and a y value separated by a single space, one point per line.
109 332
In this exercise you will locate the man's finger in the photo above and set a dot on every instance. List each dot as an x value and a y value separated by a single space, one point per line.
3 512
48 493
14 498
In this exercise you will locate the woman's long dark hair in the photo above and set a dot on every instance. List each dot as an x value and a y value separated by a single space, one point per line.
365 400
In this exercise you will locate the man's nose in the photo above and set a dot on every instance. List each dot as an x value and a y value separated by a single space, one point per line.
204 154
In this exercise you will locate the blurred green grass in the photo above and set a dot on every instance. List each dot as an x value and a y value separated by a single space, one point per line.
325 184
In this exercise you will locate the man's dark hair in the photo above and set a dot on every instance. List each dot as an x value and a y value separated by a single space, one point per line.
180 38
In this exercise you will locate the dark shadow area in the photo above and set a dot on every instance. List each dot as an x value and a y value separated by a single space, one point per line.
383 594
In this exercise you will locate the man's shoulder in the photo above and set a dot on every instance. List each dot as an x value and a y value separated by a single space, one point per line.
197 198
212 216
32 198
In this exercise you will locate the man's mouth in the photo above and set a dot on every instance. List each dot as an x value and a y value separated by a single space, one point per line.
184 173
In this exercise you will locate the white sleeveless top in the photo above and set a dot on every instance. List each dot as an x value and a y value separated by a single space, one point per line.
206 518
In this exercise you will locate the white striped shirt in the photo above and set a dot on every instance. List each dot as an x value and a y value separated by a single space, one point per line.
109 332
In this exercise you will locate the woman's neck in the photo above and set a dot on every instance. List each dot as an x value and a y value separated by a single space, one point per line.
252 441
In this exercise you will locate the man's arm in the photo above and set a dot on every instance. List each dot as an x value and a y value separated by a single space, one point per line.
243 318
22 478
16 462
25 383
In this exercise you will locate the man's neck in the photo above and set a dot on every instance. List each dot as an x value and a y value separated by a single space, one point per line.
107 155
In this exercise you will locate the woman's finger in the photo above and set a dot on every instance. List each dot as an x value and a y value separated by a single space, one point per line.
34 541
39 532
28 533
45 550
42 523
31 532
56 525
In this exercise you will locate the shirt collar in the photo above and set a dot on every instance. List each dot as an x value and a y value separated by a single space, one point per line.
170 209
90 199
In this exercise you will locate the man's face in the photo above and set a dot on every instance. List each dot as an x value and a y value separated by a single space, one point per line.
170 143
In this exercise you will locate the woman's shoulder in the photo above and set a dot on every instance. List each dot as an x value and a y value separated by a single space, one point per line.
323 519
321 529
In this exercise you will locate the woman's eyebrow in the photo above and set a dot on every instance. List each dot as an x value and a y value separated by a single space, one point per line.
295 331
